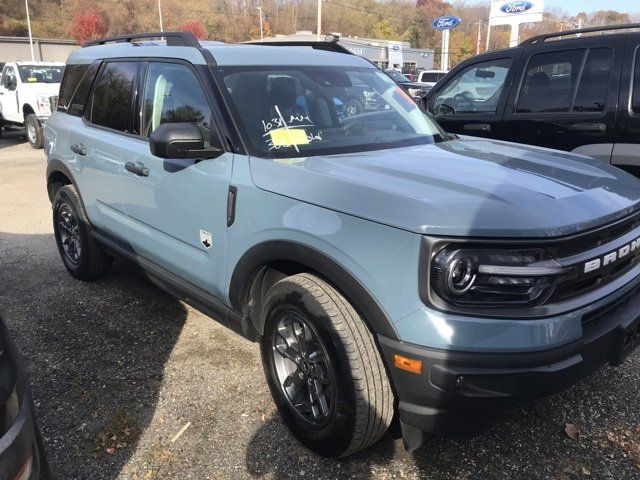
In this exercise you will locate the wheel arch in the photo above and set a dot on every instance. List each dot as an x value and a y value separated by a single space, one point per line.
266 263
58 175
27 109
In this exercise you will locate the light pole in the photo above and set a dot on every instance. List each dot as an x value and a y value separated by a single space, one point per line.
160 16
26 6
261 31
319 20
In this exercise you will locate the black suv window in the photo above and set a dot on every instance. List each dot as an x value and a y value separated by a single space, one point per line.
111 103
593 87
172 94
549 82
476 89
635 98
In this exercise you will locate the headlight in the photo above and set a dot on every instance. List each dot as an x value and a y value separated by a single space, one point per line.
494 277
417 92
44 107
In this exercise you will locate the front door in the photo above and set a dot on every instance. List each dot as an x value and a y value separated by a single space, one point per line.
176 209
9 95
565 97
471 102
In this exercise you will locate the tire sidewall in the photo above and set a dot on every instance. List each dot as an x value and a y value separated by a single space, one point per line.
66 196
335 437
37 142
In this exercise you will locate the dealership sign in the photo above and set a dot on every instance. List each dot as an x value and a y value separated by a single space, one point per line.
516 7
446 22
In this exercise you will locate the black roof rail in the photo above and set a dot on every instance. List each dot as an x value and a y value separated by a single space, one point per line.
174 39
328 46
603 28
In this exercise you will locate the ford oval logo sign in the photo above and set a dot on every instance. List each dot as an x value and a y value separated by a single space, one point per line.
445 23
516 7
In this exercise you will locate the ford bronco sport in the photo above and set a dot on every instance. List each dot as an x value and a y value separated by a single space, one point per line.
384 268
26 89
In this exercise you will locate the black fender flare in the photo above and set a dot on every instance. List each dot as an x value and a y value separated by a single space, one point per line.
283 250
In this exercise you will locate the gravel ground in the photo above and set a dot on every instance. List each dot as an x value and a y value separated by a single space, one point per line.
118 368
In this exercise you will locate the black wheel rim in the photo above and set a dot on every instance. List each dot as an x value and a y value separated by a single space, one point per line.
303 368
69 233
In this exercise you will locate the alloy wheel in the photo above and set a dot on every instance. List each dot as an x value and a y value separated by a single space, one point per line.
69 233
303 368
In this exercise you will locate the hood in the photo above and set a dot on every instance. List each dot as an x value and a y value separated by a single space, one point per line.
466 187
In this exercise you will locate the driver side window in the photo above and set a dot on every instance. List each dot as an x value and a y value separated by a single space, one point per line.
476 89
9 77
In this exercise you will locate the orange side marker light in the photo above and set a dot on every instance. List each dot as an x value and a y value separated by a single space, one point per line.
408 364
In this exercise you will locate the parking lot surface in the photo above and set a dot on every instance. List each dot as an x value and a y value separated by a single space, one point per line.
119 369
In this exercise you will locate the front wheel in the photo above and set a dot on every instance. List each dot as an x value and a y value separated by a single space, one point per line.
323 368
34 131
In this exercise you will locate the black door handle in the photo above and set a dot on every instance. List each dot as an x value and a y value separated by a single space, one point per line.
79 148
588 127
477 127
137 168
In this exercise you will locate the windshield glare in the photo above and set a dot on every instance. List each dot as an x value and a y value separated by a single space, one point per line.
306 111
40 73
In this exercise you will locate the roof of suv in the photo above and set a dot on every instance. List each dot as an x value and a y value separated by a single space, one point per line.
223 54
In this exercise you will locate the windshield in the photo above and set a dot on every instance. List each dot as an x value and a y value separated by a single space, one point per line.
40 73
397 76
308 111
431 76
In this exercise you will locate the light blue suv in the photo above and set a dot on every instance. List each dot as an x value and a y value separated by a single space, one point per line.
387 269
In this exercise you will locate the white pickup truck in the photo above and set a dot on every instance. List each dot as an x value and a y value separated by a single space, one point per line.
25 91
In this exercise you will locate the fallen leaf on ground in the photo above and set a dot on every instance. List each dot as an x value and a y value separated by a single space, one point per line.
572 431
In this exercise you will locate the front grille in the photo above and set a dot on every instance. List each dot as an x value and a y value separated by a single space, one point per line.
593 245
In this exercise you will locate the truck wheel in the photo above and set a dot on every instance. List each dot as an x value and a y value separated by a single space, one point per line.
34 131
323 368
81 254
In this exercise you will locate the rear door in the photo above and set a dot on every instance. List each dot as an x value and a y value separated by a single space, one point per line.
471 101
626 151
565 95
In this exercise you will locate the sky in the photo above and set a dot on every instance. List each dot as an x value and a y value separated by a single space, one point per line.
576 6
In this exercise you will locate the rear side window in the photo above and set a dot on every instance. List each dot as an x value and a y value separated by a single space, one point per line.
81 94
594 81
71 79
635 98
111 102
549 82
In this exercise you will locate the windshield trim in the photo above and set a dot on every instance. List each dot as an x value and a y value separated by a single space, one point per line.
220 71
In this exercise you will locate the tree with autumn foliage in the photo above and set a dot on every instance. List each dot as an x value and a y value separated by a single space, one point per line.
88 25
195 27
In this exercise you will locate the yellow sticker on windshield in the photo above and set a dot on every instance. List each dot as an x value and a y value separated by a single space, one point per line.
32 79
286 137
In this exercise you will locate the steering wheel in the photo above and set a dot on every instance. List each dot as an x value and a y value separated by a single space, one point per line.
355 129
466 100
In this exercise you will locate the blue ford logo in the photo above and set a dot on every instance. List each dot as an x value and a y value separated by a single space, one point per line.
516 7
445 23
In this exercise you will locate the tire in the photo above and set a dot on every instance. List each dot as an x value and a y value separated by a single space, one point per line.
34 131
83 256
359 402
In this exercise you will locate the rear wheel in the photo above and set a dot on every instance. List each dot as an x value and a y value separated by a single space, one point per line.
323 368
81 254
34 131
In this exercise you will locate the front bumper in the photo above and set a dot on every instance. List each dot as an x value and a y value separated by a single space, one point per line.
457 392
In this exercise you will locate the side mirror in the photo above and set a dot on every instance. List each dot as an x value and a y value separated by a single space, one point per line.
12 85
180 140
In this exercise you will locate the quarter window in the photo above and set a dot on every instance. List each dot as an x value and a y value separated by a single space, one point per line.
476 89
111 104
635 98
172 94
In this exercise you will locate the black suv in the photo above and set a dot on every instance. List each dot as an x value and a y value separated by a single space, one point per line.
579 94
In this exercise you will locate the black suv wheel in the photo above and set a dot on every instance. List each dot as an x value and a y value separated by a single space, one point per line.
82 255
323 368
